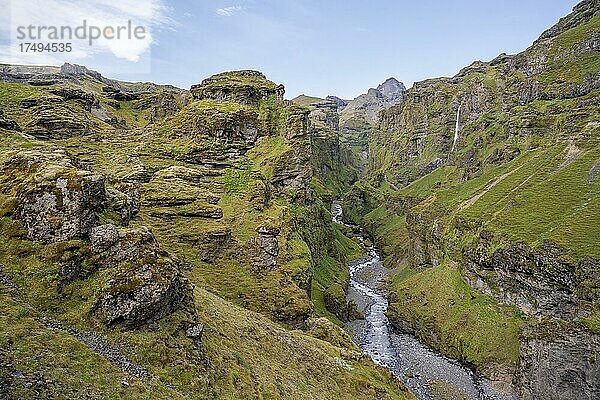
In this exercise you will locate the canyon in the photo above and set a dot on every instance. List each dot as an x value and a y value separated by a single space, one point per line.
432 242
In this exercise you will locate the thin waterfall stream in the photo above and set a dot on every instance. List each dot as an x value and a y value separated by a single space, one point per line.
456 129
425 372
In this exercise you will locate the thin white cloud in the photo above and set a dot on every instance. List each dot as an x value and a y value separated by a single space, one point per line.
149 14
229 11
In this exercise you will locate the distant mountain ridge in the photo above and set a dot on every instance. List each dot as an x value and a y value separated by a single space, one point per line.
366 107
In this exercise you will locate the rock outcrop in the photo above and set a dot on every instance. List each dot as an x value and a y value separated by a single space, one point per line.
57 200
559 363
243 87
144 284
292 170
7 123
220 132
544 282
264 248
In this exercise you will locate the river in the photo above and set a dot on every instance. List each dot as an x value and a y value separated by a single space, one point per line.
425 372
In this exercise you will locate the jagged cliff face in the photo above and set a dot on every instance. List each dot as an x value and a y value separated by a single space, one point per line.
490 219
559 363
191 228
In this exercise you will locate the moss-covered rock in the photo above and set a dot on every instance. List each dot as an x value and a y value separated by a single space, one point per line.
243 87
143 283
57 200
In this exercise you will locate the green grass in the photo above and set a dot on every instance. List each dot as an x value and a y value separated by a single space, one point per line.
266 152
304 100
575 35
233 80
388 229
132 117
11 95
455 319
533 200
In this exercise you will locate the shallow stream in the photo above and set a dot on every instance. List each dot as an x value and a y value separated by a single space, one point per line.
428 374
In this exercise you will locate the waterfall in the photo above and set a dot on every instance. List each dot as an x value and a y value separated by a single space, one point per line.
456 130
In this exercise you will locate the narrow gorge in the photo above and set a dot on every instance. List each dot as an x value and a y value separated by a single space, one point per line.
428 374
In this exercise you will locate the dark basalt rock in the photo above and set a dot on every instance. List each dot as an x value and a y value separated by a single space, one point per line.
118 95
161 104
66 93
559 363
7 123
324 115
195 332
292 172
340 103
544 281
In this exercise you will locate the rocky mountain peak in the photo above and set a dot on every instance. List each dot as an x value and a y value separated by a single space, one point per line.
75 70
392 89
363 111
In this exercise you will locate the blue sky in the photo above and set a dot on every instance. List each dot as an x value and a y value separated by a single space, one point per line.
344 47
332 47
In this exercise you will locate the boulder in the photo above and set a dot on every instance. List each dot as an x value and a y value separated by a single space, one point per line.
195 332
142 294
143 282
57 199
